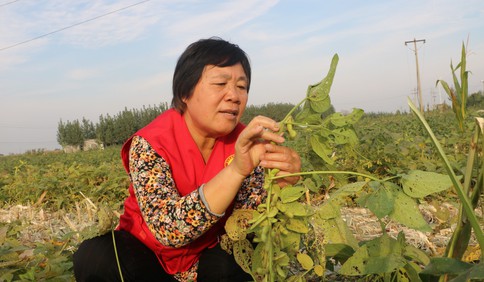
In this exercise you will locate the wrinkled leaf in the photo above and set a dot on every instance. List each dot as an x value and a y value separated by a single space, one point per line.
237 224
339 120
243 251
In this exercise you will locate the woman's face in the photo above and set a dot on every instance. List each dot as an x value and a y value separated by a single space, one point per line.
217 102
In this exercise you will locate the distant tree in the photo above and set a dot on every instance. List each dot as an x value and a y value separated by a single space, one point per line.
70 133
476 100
88 129
105 130
61 133
124 126
275 111
110 130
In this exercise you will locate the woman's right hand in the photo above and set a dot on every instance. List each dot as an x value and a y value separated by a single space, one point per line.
250 145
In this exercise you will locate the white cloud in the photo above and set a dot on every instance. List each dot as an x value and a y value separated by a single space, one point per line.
81 22
220 18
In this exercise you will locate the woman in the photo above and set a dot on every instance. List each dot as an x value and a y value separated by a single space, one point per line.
189 168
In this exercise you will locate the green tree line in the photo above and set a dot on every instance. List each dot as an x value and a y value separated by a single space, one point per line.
110 129
114 130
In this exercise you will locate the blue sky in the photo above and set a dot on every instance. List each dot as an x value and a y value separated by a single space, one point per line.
122 54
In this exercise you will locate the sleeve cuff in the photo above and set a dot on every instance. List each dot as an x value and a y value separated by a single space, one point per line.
204 201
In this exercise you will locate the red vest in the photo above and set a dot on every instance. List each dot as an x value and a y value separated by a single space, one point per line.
169 136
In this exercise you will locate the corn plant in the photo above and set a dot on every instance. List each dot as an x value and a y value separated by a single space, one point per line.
458 94
469 191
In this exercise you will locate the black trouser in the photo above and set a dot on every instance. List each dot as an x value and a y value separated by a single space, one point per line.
95 261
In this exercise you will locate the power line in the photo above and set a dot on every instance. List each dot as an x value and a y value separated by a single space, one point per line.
8 3
71 26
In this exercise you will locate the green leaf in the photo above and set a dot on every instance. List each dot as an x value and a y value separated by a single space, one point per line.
380 255
296 278
319 105
328 210
406 211
235 226
416 254
258 258
321 149
319 270
282 259
292 193
380 202
305 261
318 94
295 208
334 228
444 265
477 272
243 251
290 241
309 184
347 190
412 270
340 120
339 251
297 225
419 184
304 113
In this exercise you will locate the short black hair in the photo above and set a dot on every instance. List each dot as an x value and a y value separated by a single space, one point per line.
190 65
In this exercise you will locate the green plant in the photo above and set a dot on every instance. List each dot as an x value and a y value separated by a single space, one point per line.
295 234
458 95
469 191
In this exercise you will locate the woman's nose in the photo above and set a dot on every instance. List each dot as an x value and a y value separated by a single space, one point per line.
232 94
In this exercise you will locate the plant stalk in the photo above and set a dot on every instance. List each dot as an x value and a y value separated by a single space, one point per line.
467 206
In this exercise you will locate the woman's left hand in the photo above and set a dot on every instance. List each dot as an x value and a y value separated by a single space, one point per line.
283 158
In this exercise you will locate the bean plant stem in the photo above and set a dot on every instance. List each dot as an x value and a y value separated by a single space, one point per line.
268 186
293 109
331 172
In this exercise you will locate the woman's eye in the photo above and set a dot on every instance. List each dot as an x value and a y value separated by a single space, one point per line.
242 87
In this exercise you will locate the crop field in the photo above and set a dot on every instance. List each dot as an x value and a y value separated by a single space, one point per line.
381 197
51 201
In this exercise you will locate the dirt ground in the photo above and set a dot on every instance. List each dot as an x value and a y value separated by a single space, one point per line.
38 225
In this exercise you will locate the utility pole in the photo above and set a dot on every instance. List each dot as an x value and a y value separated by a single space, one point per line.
419 88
